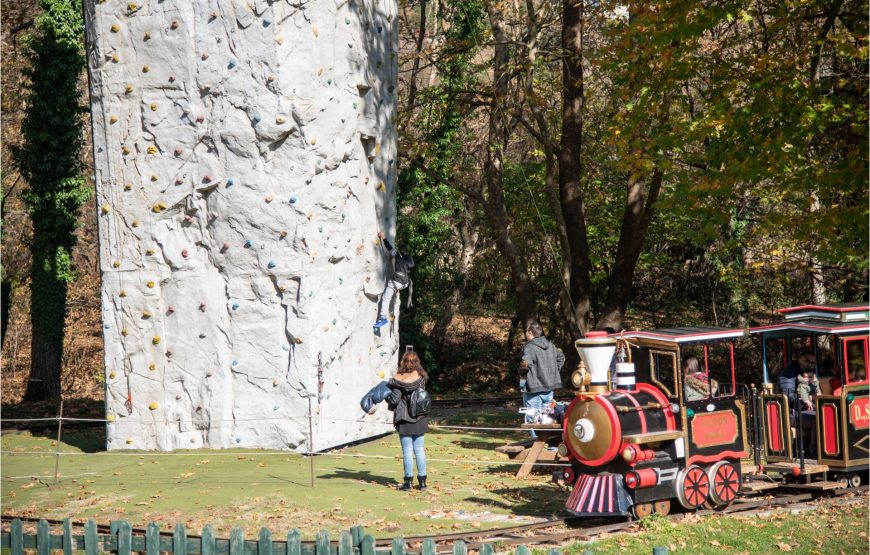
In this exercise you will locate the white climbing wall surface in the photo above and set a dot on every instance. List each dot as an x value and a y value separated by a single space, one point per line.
245 160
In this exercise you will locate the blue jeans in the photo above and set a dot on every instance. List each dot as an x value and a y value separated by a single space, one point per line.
536 401
413 447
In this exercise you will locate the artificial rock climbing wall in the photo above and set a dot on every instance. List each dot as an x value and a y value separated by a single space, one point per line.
245 161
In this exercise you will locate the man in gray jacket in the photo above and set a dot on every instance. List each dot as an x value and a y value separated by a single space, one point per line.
539 368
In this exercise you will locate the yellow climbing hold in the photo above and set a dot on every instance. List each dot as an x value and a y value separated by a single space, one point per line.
268 198
115 28
153 177
115 58
135 223
146 315
150 285
122 293
156 340
127 186
128 89
145 69
125 332
314 30
116 264
125 149
313 140
152 367
113 119
153 106
112 375
149 252
275 383
381 374
279 39
152 406
110 417
146 36
152 150
129 441
159 207
382 187
132 7
106 208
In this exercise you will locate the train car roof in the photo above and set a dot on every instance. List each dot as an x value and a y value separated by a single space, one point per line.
838 312
687 334
813 325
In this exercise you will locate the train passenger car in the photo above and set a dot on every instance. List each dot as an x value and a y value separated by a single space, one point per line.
838 443
658 434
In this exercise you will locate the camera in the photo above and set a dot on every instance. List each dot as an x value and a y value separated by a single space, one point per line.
409 349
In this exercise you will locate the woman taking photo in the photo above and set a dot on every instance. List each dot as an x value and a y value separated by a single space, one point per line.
409 377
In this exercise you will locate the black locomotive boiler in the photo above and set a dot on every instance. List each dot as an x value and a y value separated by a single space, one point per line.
639 438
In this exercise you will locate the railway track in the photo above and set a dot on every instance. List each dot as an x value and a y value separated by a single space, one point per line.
553 531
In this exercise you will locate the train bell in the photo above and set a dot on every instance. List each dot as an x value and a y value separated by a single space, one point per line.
596 351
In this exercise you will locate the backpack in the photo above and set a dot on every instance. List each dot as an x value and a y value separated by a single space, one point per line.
402 269
420 402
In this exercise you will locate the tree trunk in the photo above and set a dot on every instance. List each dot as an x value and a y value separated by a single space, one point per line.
639 210
493 169
469 235
47 314
570 165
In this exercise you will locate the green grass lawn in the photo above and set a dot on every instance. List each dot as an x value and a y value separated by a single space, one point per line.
832 527
470 485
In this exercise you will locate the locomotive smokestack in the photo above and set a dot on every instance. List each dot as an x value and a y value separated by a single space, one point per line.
596 350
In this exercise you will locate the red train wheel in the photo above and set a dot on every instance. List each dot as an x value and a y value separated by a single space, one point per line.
693 486
662 507
725 481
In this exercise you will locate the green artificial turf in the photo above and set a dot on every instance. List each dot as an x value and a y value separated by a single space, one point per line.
470 485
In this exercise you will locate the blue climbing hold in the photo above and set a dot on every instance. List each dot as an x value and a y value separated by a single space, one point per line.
248 244
267 22
235 363
256 118
271 264
293 200
231 64
235 306
230 182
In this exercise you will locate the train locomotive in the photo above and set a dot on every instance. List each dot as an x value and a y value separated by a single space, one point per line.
635 442
640 437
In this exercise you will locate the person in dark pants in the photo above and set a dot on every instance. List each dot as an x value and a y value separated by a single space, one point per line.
409 377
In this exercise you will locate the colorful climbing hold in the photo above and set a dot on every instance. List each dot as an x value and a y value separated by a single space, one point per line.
152 367
106 208
145 69
314 30
110 417
268 198
128 89
112 375
280 120
230 182
159 207
188 218
122 294
382 187
155 340
179 180
116 264
127 186
279 39
313 141
129 441
135 223
171 78
152 150
282 234
174 24
184 253
153 176
235 363
146 36
113 119
270 78
231 64
248 244
206 178
204 56
170 309
200 119
115 28
152 406
293 200
150 285
256 118
146 315
271 264
149 252
235 306
225 247
125 150
179 151
115 58
153 106
202 307
124 332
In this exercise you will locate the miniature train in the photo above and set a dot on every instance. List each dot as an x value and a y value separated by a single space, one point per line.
639 438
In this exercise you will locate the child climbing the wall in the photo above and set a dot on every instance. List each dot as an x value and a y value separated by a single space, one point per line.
399 279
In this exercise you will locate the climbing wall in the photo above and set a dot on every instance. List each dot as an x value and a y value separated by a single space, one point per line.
245 161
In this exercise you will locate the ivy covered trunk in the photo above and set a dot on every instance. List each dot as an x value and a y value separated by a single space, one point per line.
50 160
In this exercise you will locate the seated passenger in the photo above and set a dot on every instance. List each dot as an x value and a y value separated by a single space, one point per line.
696 385
807 389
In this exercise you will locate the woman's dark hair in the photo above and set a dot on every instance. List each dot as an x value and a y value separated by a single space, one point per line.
410 364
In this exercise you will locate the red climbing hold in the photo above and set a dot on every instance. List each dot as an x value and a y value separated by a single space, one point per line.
184 253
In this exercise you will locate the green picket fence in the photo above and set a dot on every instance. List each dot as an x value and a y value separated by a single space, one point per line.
123 541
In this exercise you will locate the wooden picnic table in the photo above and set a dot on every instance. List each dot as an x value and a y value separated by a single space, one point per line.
534 450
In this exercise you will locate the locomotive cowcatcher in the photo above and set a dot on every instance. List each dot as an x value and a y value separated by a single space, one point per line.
637 439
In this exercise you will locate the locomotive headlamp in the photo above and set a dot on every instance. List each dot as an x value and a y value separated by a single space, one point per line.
596 350
584 430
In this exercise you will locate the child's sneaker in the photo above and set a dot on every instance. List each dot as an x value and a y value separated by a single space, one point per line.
381 322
